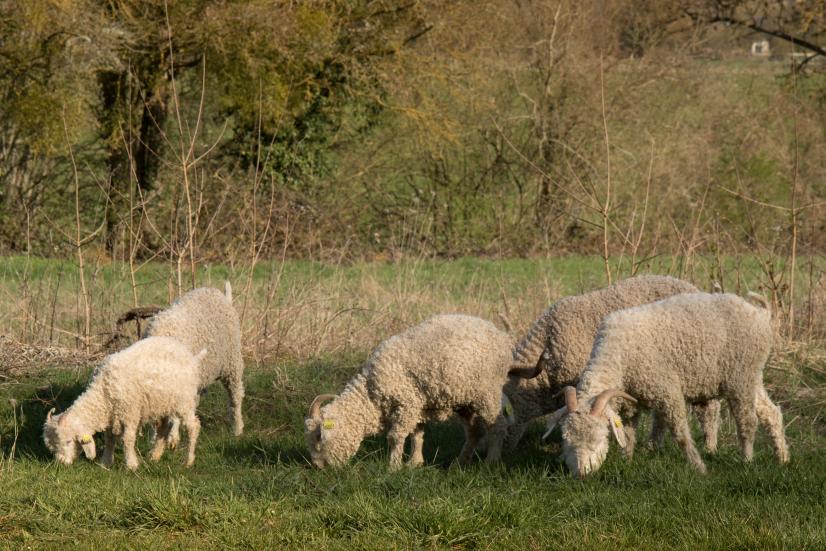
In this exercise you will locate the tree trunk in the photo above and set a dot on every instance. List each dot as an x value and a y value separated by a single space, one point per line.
132 118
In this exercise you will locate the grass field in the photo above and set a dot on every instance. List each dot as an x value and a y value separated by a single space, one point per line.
258 491
300 310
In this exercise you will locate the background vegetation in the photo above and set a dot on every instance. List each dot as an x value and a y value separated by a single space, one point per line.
196 132
373 129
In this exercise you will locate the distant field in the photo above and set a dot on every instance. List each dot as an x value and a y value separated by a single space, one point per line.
258 491
300 310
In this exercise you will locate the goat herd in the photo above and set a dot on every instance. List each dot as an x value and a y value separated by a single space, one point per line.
648 342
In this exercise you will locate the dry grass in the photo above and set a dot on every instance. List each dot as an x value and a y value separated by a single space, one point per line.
296 311
299 311
19 358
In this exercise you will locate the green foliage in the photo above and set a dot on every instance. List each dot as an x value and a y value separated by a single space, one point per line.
758 178
366 128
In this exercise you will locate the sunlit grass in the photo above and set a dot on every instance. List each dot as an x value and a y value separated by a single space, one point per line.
258 491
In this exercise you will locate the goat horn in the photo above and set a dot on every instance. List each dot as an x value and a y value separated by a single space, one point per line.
526 372
605 396
529 372
570 397
49 415
315 407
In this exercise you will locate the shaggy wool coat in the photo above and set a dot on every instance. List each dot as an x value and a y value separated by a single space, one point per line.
690 348
154 379
448 365
566 331
204 318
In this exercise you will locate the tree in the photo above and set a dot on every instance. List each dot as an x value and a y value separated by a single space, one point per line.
43 92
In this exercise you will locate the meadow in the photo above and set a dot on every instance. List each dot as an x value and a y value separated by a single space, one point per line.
307 329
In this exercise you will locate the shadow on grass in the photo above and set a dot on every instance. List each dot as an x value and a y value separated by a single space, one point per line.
444 441
442 444
257 451
25 433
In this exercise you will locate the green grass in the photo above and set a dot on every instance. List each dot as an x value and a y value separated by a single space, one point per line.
257 491
573 273
40 300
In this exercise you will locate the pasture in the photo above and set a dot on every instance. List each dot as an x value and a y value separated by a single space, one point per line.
307 328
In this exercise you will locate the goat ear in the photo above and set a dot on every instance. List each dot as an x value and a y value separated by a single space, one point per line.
88 445
616 427
553 421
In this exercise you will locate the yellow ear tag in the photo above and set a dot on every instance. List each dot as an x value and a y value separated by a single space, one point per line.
617 422
508 410
85 439
328 424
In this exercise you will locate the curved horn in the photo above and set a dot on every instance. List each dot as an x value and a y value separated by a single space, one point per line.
526 372
570 398
605 396
529 372
49 415
553 421
315 407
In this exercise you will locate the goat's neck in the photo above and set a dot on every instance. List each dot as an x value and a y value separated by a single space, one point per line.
599 376
362 414
91 409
